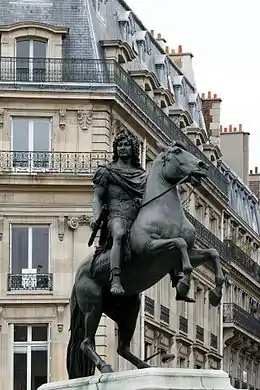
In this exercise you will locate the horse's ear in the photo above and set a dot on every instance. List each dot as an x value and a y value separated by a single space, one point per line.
161 147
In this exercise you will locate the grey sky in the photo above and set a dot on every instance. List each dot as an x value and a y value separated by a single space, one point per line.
223 36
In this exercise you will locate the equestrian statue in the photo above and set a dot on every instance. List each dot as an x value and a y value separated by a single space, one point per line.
144 235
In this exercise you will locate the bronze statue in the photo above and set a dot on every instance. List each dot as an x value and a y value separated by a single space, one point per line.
120 187
160 241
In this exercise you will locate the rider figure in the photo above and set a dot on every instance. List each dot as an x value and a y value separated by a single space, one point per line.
120 185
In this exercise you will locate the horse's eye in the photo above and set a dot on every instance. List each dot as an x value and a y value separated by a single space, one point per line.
177 151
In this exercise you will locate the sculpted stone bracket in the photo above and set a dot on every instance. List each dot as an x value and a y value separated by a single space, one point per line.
61 227
1 118
85 118
62 118
60 317
1 316
1 227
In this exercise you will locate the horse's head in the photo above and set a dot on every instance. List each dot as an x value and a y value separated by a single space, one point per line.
177 163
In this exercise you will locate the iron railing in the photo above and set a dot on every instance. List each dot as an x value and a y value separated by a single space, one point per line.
242 259
183 324
29 282
206 236
165 314
149 305
88 71
240 317
52 162
199 333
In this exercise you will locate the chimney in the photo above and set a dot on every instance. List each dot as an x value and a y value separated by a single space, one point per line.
203 95
256 169
215 96
161 41
209 94
230 128
211 112
251 172
235 129
180 49
240 128
225 129
152 32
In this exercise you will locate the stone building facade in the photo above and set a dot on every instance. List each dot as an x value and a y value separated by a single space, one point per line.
67 85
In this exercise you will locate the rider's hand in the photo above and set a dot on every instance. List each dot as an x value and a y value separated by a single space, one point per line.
93 223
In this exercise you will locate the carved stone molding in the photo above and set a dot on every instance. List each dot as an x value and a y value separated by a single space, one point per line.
62 118
60 317
73 223
1 227
85 220
85 118
1 118
61 227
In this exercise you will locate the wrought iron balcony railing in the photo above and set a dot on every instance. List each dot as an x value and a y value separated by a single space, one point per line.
88 73
29 282
240 317
206 236
51 162
242 259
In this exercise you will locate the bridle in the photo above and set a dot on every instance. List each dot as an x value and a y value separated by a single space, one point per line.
168 190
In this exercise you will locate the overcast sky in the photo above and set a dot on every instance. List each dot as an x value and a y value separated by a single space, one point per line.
223 36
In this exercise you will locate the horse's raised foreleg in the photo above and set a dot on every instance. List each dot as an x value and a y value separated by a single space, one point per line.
126 319
161 245
201 256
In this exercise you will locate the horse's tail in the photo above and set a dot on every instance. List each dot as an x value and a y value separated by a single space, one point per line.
78 363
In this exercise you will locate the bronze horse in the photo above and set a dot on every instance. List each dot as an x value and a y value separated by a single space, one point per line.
161 241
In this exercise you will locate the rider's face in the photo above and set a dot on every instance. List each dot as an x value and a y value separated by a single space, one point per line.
124 148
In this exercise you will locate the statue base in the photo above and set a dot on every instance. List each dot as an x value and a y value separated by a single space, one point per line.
149 379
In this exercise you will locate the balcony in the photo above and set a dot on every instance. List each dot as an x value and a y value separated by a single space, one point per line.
51 162
234 314
85 74
30 282
242 259
206 237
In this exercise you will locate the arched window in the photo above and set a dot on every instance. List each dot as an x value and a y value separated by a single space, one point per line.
31 59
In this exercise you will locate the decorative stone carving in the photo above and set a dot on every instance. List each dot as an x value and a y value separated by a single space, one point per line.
60 317
85 118
1 227
73 223
85 220
61 227
1 118
62 118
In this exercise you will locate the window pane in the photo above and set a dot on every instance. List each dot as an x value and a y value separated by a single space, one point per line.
20 371
39 369
19 249
41 135
39 49
20 142
20 333
40 332
23 49
20 134
40 248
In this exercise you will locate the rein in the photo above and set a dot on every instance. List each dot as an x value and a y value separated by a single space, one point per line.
165 192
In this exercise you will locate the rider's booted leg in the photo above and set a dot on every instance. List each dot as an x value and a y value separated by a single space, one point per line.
116 286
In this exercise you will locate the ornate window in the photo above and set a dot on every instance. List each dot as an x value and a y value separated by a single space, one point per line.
30 355
31 143
29 261
30 59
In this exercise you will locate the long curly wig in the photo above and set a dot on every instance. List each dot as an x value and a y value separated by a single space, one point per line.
126 134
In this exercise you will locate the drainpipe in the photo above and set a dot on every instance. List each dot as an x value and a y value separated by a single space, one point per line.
221 329
142 308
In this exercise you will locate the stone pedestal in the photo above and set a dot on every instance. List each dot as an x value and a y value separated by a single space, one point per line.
148 379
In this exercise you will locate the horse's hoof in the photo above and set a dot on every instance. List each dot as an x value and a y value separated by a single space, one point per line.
214 298
117 290
182 288
106 369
